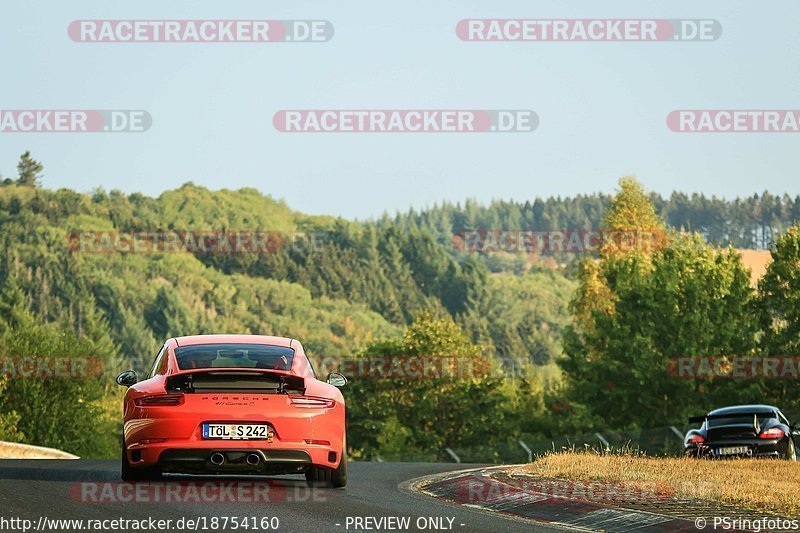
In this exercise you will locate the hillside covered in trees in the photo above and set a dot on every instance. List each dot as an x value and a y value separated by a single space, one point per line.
357 282
560 335
752 223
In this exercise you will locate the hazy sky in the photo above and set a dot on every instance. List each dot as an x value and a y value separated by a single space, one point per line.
602 106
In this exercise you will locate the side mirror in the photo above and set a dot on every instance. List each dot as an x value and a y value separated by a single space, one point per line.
336 379
127 378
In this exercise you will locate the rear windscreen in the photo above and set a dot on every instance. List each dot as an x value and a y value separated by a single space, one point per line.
234 356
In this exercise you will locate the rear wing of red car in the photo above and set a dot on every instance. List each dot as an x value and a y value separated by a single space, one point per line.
244 380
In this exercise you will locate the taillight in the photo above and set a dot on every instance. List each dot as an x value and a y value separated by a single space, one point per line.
312 403
152 441
162 400
774 433
320 442
696 439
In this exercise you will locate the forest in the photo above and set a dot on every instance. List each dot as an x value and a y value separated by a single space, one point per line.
574 341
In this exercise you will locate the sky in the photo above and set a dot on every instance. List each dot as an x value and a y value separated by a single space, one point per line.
602 106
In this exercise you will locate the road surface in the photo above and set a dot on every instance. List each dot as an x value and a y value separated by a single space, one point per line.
47 490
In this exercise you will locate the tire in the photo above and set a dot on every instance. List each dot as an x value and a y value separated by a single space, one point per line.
320 476
695 453
791 452
339 476
143 473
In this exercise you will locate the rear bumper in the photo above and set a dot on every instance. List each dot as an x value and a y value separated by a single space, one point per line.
173 458
754 448
234 461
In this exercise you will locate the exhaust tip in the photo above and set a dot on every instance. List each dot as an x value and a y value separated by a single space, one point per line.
217 458
253 459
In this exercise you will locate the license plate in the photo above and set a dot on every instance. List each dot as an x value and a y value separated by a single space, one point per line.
237 431
733 450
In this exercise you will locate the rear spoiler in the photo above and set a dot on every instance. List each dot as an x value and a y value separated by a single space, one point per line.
233 380
701 419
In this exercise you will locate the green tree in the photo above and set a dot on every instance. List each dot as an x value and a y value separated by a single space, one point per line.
29 171
634 311
631 222
425 414
65 412
169 315
779 305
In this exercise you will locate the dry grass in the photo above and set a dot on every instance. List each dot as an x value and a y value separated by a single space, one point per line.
762 484
12 450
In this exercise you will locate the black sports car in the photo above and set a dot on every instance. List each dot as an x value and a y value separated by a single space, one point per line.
743 431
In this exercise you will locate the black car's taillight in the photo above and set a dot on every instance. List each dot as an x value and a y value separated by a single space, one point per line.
160 400
773 433
696 439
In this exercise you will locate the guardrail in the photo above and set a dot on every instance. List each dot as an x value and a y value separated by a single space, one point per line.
657 442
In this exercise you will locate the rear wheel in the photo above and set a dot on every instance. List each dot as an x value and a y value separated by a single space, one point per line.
697 453
329 477
339 476
143 473
791 452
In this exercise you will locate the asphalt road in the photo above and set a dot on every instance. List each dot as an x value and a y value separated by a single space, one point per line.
89 489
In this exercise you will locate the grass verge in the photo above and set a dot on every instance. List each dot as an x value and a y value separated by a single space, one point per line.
767 485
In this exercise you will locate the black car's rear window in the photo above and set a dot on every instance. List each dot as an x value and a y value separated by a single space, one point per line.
234 356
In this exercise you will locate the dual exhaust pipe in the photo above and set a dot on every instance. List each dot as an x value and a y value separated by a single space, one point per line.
218 459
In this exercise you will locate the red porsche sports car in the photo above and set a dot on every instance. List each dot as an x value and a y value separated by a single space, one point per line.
234 405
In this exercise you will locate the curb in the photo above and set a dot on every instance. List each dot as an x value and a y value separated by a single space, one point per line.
15 450
563 512
414 488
